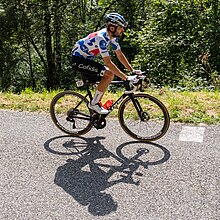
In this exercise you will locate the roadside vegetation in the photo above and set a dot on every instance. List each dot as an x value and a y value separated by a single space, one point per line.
175 42
183 106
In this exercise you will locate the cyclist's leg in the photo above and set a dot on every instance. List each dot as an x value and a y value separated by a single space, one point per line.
100 90
92 72
108 76
89 69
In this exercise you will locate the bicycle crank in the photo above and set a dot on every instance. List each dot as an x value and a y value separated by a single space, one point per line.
98 121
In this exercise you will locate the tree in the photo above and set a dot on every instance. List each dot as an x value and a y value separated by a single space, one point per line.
174 40
177 40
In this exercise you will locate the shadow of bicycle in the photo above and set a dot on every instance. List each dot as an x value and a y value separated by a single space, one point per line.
94 169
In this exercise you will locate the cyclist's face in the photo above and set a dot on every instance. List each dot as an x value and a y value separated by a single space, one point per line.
119 31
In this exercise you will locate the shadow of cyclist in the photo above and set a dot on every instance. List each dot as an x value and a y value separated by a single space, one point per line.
86 186
85 179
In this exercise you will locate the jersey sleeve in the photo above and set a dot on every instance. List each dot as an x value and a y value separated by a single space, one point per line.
115 45
102 45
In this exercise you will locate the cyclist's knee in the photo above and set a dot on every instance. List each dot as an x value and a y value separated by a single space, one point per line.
109 74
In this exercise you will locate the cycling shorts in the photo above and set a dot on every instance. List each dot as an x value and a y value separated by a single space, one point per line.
90 70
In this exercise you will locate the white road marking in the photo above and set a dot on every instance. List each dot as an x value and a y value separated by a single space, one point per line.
192 134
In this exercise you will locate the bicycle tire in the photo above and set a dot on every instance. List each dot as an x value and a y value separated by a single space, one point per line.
155 124
70 113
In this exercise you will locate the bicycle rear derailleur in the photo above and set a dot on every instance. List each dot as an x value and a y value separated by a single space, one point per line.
98 121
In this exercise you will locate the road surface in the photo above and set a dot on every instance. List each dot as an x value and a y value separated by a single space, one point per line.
105 174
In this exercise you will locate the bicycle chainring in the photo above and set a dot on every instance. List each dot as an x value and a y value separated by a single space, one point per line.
98 121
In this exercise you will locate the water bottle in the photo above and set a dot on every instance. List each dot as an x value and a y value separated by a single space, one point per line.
108 104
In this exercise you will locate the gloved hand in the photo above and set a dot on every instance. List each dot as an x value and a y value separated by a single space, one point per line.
137 72
133 79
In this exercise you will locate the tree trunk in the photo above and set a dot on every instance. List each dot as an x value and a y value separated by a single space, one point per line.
30 65
57 45
49 52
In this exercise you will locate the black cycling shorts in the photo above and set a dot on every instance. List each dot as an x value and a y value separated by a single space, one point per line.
90 70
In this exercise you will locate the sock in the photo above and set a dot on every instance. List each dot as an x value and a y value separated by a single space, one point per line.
96 97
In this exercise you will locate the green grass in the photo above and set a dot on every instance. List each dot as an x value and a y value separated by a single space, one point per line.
183 106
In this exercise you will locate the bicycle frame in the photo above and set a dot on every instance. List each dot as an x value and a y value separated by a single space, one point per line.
118 101
135 117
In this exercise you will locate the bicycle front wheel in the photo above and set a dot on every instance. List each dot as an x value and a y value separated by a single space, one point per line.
70 113
146 120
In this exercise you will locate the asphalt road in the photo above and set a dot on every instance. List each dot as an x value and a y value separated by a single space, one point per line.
105 174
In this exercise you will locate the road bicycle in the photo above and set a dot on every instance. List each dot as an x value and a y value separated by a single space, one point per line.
142 116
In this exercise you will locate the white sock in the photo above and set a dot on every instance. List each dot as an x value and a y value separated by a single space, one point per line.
96 97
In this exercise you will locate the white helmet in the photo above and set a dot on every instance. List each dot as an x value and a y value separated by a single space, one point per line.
116 20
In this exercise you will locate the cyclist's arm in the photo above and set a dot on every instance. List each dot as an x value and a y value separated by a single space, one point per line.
123 60
114 68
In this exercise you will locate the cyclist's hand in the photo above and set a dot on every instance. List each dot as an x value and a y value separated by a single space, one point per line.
133 79
137 72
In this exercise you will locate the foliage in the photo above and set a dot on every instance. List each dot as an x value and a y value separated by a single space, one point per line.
177 42
183 106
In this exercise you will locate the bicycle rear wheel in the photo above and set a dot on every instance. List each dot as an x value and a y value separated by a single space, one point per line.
152 121
70 113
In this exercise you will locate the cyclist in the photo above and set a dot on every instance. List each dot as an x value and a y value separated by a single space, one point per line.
96 43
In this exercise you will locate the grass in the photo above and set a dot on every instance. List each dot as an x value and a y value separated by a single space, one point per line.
183 106
192 107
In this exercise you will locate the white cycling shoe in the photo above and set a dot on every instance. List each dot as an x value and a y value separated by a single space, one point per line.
98 108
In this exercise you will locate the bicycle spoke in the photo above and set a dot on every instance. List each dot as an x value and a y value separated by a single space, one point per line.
154 120
70 113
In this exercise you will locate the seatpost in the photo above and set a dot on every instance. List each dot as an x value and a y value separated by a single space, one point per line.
88 92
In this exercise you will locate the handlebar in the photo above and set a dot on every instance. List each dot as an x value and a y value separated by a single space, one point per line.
134 80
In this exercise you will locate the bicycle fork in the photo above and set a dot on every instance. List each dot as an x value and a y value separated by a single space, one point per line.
142 115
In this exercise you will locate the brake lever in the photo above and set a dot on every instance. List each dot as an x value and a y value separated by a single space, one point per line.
141 76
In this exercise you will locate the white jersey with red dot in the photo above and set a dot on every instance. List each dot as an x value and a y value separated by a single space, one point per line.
94 44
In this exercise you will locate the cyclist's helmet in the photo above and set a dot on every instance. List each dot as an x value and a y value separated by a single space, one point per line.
116 20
